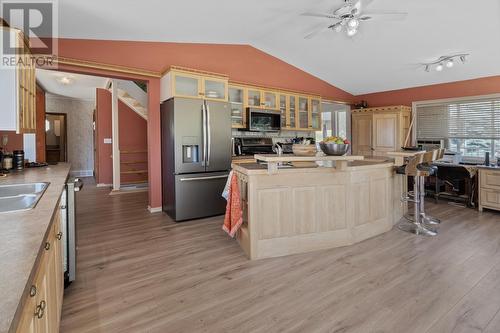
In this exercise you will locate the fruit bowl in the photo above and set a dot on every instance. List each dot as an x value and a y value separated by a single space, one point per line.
334 149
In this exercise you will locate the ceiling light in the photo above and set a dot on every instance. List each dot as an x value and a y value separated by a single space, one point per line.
338 28
353 23
65 80
351 32
450 63
439 67
447 60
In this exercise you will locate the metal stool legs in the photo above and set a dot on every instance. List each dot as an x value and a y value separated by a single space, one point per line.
416 226
425 218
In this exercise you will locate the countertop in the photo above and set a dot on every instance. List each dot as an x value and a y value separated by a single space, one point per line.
261 169
22 235
297 158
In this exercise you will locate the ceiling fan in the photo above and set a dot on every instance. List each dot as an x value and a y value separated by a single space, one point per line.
349 17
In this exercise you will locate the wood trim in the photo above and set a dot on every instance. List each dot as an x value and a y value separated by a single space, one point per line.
276 89
104 66
194 71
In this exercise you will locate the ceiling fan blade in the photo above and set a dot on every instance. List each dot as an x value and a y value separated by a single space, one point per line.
388 16
319 31
330 16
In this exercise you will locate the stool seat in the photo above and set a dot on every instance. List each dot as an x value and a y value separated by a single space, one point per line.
429 170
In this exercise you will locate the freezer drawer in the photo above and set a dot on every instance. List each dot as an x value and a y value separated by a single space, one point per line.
199 195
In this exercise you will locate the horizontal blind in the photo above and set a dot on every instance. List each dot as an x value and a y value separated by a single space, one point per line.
478 119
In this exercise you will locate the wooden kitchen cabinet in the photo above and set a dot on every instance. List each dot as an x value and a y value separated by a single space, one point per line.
315 114
262 99
42 306
236 101
18 91
301 113
183 82
376 131
489 189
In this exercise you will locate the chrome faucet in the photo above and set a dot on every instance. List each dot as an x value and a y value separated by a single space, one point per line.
278 149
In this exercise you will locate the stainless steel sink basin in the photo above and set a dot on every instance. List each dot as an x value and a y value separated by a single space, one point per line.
20 197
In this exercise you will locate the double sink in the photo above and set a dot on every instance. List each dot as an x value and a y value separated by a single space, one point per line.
20 197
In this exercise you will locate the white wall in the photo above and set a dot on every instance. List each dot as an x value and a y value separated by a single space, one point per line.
80 133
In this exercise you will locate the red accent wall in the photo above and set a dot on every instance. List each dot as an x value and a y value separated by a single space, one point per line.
104 170
475 87
240 62
133 137
16 141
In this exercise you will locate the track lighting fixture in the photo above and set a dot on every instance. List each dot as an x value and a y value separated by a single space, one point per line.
445 61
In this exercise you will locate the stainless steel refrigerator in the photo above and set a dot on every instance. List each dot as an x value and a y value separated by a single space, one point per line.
196 156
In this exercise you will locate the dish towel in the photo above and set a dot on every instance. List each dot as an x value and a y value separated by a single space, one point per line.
234 215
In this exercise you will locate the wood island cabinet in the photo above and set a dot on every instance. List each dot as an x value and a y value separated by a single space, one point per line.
376 131
42 307
489 188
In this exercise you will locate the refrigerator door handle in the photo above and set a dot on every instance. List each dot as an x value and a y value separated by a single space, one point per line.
204 126
209 136
203 178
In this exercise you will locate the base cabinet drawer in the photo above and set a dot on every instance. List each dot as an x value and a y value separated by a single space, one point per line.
490 198
490 179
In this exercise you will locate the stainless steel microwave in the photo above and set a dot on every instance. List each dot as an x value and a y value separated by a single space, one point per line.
261 120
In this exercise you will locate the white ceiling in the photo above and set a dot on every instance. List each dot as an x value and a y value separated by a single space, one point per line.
383 56
79 86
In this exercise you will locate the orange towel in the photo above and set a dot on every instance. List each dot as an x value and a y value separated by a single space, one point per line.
234 214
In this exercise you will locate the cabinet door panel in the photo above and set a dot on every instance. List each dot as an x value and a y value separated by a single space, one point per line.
283 110
293 111
214 89
270 100
237 111
187 86
385 132
253 98
315 114
303 113
362 134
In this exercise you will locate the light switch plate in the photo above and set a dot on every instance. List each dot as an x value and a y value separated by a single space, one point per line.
108 140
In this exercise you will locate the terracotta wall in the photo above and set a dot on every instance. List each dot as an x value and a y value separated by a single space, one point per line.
482 86
104 163
241 62
15 140
40 124
133 137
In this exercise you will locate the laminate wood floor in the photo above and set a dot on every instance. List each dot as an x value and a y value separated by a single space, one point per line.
141 272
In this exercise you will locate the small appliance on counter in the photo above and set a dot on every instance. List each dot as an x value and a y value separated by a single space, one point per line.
18 160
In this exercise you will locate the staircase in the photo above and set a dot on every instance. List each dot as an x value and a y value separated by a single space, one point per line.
133 96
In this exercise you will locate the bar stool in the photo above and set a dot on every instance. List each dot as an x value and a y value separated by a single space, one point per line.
427 169
407 224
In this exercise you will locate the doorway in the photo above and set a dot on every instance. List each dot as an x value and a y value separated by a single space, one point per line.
56 142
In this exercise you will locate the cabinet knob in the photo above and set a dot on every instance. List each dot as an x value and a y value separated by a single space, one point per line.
59 235
47 246
33 291
40 309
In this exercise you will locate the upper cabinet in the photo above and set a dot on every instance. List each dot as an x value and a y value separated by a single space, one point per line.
18 91
299 112
180 82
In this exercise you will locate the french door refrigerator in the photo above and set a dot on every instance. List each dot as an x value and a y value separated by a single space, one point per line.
196 157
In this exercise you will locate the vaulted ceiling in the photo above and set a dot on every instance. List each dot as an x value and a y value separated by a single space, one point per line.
384 55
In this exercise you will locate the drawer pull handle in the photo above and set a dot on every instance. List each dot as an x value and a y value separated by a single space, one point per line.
47 246
33 291
59 235
40 310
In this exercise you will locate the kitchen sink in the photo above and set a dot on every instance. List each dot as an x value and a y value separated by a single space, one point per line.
20 197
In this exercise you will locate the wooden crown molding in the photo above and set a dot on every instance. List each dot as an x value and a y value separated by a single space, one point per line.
106 67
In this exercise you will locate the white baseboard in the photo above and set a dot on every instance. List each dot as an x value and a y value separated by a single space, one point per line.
82 173
154 209
104 185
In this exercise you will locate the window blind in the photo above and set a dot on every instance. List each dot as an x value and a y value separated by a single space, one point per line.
478 119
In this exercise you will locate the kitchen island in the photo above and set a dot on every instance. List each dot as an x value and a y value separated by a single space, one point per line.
329 202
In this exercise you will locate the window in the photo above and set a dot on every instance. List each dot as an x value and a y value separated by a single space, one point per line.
335 120
470 126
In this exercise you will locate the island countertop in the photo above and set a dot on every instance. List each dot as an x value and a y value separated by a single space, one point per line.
22 235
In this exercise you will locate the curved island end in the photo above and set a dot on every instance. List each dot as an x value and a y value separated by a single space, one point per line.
307 207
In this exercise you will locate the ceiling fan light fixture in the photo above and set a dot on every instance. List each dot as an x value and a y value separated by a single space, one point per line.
440 67
351 32
463 59
338 28
450 63
353 23
427 68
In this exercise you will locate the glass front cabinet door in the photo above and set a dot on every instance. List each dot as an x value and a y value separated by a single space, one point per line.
292 111
215 89
283 111
253 98
315 113
186 85
303 112
237 110
270 100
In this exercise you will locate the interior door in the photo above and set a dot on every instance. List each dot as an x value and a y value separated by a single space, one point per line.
362 134
188 135
219 145
385 133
